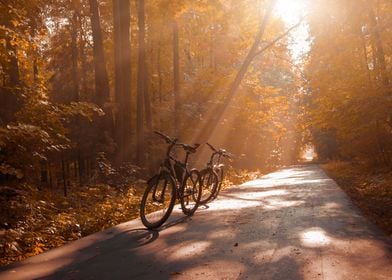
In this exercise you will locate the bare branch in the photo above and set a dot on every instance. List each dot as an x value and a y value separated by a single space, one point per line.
273 42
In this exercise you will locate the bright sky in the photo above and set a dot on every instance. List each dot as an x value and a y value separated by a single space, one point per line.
291 11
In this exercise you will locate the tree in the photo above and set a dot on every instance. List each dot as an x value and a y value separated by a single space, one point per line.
101 76
176 78
141 86
122 71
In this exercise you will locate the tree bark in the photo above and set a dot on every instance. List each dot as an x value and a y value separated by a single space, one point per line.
176 79
141 86
379 49
11 99
147 97
74 57
101 76
147 101
159 68
122 68
83 62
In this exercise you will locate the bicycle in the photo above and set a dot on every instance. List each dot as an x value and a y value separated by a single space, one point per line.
212 175
174 180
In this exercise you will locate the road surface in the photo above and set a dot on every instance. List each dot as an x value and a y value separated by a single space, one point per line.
295 223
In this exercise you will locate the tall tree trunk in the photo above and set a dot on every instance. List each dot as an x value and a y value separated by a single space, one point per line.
147 101
379 49
141 85
83 62
74 57
122 61
101 75
176 79
10 97
147 78
159 68
365 59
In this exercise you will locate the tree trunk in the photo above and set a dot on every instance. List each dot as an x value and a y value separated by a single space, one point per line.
159 68
74 57
122 68
147 97
141 86
101 77
83 63
379 49
365 60
147 101
176 79
10 97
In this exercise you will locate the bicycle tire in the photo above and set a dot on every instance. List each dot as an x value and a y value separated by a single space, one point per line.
221 175
209 183
158 200
190 193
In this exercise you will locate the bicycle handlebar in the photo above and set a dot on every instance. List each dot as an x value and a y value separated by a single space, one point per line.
173 142
211 147
227 155
221 152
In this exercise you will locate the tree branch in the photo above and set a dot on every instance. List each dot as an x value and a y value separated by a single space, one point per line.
273 42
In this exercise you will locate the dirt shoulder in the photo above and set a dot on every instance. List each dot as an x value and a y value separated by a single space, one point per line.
370 191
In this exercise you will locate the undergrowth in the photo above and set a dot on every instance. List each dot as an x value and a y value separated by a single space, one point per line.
370 190
34 221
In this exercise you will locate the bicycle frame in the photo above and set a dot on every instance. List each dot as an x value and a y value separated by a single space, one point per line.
215 153
169 164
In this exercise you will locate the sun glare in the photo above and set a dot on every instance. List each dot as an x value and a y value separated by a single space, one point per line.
291 10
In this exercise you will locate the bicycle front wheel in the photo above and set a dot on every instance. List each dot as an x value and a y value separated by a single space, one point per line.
190 193
220 175
209 181
158 200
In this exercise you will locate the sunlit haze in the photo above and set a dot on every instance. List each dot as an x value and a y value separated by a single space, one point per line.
291 11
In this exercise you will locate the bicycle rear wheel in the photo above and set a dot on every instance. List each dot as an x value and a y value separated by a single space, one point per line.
190 193
158 200
220 175
209 181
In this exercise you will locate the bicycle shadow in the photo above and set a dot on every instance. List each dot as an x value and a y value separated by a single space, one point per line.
173 222
203 207
139 237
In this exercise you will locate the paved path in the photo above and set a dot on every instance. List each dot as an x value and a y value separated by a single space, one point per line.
292 224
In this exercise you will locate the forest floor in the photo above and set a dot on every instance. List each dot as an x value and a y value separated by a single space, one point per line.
370 191
33 221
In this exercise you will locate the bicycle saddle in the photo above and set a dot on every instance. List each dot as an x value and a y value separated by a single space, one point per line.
190 149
